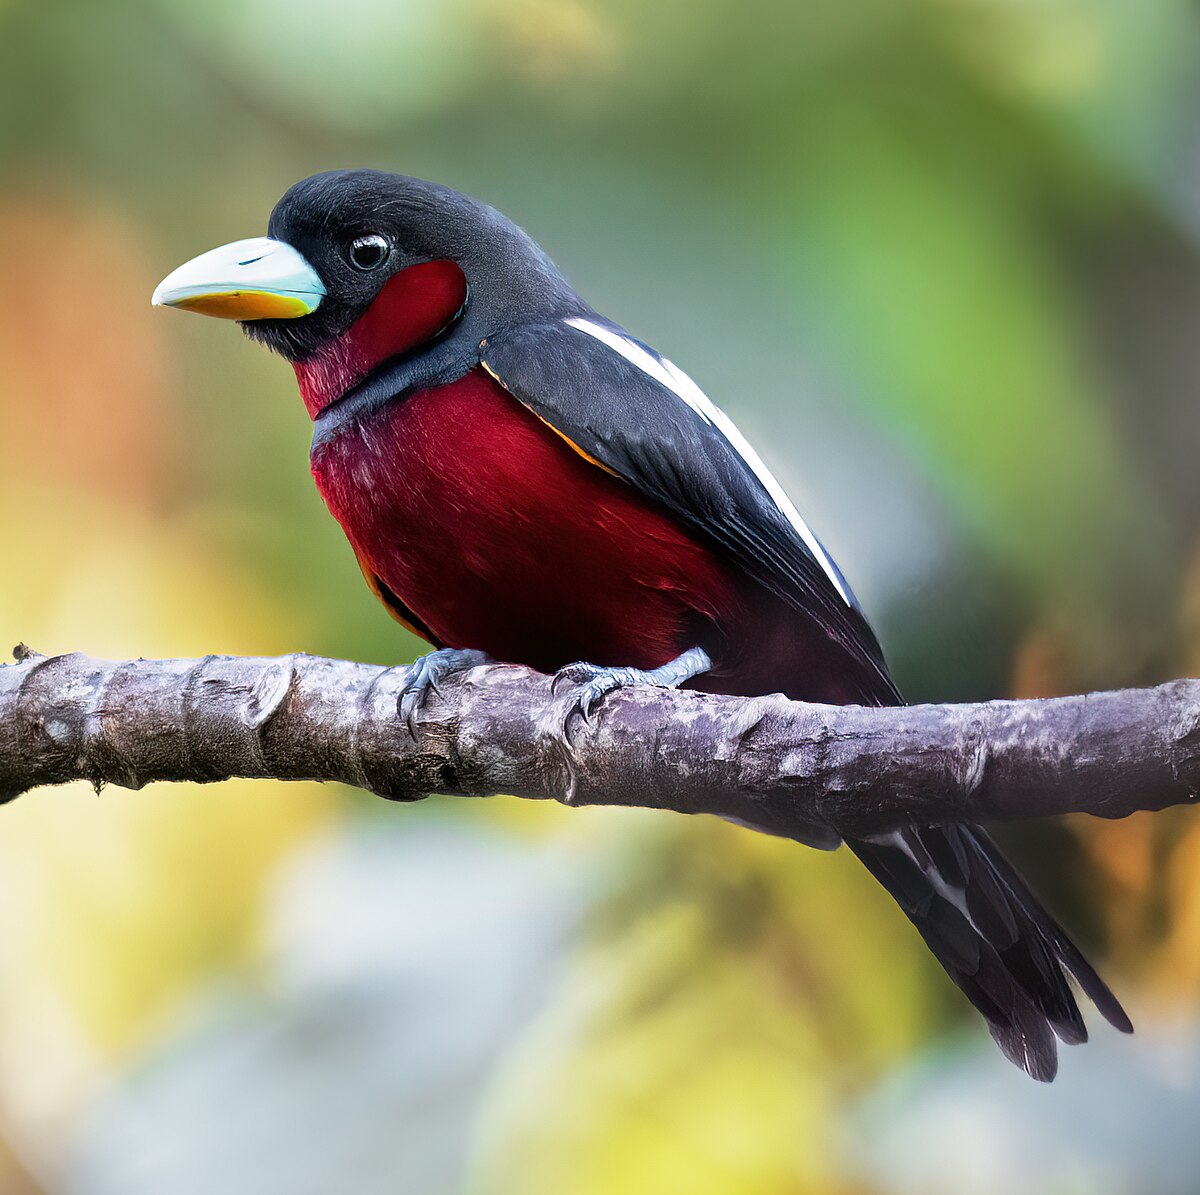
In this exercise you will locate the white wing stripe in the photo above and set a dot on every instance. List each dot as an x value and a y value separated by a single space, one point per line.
675 380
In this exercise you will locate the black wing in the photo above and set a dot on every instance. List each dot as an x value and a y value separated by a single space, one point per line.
635 414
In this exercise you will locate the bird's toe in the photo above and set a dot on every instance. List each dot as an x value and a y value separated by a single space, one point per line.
426 674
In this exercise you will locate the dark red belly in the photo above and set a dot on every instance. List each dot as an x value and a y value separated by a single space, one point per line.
498 535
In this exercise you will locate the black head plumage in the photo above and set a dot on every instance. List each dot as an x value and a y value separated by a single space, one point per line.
330 217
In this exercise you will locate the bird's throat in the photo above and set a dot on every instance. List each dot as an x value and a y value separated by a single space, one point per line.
413 308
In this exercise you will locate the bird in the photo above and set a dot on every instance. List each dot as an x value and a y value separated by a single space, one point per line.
524 481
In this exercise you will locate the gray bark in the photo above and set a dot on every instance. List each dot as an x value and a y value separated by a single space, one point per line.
796 769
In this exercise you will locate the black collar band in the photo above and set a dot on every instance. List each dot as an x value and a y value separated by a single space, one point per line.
434 363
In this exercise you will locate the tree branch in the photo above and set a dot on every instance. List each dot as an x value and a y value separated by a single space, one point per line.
793 768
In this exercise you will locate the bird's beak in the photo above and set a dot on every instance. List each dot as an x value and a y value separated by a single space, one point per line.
253 279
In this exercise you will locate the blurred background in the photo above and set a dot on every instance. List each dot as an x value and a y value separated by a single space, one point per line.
940 259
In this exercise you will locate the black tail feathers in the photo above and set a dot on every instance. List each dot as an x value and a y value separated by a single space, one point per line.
999 945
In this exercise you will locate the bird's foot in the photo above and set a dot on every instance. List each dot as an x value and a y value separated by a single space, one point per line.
426 674
579 689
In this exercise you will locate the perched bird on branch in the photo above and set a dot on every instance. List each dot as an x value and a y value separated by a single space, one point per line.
522 480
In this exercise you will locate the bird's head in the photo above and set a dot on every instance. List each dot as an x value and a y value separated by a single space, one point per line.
360 268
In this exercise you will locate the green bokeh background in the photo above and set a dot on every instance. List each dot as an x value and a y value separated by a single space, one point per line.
938 258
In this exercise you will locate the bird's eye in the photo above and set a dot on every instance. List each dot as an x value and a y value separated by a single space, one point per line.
369 252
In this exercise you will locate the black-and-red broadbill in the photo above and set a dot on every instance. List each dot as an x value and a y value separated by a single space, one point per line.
523 480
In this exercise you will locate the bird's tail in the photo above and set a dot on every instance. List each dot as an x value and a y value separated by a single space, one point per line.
996 941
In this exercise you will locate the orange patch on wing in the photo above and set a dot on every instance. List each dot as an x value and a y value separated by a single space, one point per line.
587 456
376 587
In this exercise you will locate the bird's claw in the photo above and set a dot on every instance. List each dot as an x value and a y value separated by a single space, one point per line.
426 674
589 684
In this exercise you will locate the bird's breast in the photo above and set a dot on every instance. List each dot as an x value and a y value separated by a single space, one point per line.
497 534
